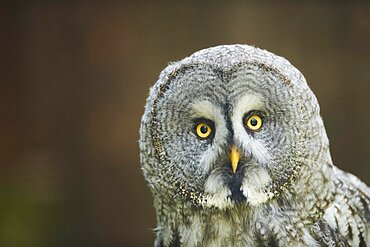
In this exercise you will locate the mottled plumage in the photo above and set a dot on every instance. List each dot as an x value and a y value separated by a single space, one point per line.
276 187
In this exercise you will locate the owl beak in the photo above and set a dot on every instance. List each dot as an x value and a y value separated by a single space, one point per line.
234 157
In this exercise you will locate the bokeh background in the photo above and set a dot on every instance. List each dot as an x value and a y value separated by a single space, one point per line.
73 82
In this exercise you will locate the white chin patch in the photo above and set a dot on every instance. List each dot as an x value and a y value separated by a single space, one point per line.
256 178
217 193
219 200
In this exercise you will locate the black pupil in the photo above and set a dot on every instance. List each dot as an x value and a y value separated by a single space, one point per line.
204 129
254 122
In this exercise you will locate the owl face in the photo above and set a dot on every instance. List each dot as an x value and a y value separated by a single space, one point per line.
224 136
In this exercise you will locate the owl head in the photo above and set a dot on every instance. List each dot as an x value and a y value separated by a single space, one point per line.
230 125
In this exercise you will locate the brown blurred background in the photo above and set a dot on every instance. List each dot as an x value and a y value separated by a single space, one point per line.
73 82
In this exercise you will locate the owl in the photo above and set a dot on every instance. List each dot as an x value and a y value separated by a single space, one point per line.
235 152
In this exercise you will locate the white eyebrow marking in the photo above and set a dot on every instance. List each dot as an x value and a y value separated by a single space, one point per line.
247 103
241 137
208 110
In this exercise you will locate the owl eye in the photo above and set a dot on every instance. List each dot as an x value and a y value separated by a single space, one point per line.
253 122
204 130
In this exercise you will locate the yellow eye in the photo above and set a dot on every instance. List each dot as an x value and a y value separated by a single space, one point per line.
254 123
203 130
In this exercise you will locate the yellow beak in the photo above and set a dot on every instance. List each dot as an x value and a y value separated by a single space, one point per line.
234 157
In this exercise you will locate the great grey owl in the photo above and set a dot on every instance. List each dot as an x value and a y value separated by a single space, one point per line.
235 153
